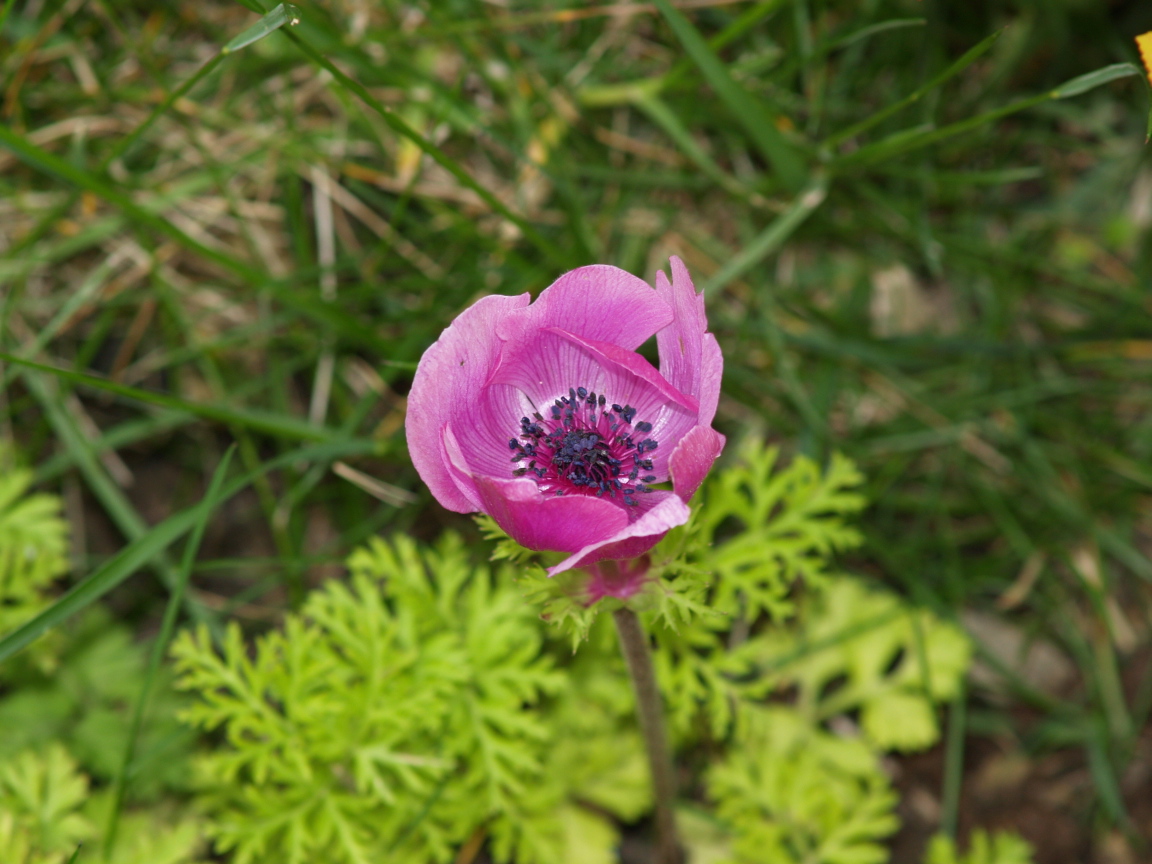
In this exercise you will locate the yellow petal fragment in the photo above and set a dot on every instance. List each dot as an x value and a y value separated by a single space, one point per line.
1144 43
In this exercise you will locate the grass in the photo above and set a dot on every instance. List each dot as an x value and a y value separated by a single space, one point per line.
921 247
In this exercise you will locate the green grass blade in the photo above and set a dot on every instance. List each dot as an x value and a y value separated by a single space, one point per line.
1104 773
80 297
954 761
1092 80
401 127
873 30
963 62
279 425
753 254
283 14
914 139
127 520
799 62
101 581
772 237
907 140
114 438
8 4
664 117
606 95
202 514
749 112
139 552
132 137
124 144
49 163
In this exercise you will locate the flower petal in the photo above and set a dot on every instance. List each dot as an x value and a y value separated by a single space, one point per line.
692 460
448 378
597 302
666 510
548 365
625 362
563 523
459 469
492 419
690 358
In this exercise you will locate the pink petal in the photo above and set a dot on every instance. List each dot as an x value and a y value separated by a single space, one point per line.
597 302
459 469
547 366
625 362
563 523
487 423
692 460
665 511
450 375
689 356
711 371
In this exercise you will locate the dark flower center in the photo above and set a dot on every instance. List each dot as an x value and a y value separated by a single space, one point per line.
586 446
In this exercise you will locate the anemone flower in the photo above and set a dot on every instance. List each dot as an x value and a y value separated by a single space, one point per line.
543 416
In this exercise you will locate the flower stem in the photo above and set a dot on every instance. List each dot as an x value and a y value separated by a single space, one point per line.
634 644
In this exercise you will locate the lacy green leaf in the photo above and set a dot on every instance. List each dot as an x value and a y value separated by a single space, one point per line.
866 651
41 793
84 705
389 720
762 528
791 792
757 530
47 816
983 848
33 549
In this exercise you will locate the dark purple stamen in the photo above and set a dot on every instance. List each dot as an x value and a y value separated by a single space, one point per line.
584 450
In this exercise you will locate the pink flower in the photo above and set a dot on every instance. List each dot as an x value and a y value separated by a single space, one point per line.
543 416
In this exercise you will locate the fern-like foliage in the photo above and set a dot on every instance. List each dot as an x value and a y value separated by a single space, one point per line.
866 651
40 798
85 704
421 708
983 848
791 792
33 547
788 785
47 814
390 720
758 529
761 528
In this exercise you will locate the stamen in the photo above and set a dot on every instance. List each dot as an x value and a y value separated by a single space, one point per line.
582 450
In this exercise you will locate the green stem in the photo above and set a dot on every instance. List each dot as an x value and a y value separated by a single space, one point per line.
649 708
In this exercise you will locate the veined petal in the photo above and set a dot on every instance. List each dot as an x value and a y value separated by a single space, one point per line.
562 523
597 302
448 378
492 419
459 469
624 362
665 511
711 371
692 460
689 356
554 360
